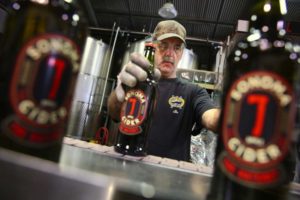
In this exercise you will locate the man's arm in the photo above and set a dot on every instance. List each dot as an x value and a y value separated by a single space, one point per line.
210 119
114 106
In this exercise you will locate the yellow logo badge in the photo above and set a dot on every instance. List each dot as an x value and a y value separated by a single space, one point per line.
176 102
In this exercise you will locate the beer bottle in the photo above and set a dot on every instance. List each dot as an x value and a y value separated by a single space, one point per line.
253 155
39 62
136 112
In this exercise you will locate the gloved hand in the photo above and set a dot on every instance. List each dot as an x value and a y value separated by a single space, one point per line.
133 72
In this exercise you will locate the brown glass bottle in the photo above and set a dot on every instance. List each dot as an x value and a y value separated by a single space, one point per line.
253 155
136 113
39 64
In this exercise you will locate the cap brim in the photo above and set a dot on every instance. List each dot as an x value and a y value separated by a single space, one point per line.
170 35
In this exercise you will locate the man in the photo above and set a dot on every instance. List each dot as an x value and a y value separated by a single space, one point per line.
179 105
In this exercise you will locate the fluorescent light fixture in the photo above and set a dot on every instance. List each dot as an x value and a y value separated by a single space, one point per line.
41 1
254 36
168 11
283 8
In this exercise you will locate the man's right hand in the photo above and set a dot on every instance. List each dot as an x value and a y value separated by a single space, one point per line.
132 72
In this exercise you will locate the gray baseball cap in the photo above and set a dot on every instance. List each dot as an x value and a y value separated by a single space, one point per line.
168 29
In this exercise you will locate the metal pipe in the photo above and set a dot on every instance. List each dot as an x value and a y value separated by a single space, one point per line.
204 40
108 69
149 34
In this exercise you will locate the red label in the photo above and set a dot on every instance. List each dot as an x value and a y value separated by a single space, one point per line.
257 125
252 177
133 112
41 89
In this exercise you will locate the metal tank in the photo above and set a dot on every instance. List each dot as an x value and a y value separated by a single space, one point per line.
134 47
189 60
88 97
187 65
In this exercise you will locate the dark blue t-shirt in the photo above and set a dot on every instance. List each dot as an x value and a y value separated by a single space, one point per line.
180 104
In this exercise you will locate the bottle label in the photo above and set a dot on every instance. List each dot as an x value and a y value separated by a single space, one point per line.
257 126
133 112
41 90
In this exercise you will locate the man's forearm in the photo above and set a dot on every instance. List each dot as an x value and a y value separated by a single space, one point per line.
114 106
210 119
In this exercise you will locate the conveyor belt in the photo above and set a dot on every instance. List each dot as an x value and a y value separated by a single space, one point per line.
93 172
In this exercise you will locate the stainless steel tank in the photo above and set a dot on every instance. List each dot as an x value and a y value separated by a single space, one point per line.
134 47
189 60
89 90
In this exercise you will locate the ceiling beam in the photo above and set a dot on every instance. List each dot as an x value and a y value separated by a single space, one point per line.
218 18
179 18
90 12
197 39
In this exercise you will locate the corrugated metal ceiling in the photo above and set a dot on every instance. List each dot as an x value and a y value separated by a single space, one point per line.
206 19
208 22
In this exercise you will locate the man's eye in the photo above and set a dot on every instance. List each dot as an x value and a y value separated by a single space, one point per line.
177 48
163 46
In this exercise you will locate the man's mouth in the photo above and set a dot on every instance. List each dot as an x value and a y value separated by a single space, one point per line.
167 64
168 60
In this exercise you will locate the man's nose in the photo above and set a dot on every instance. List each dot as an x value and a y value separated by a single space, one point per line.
170 50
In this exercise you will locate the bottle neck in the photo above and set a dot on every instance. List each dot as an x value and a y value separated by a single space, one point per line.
267 20
149 54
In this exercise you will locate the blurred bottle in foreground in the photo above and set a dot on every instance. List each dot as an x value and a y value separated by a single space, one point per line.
39 64
297 168
254 158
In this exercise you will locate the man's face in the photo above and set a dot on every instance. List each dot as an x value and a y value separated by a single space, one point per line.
167 55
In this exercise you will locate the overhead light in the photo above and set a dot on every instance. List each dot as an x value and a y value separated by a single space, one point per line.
254 36
168 10
283 8
41 1
267 7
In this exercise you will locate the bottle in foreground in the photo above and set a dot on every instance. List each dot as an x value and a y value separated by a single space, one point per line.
254 157
136 113
39 64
